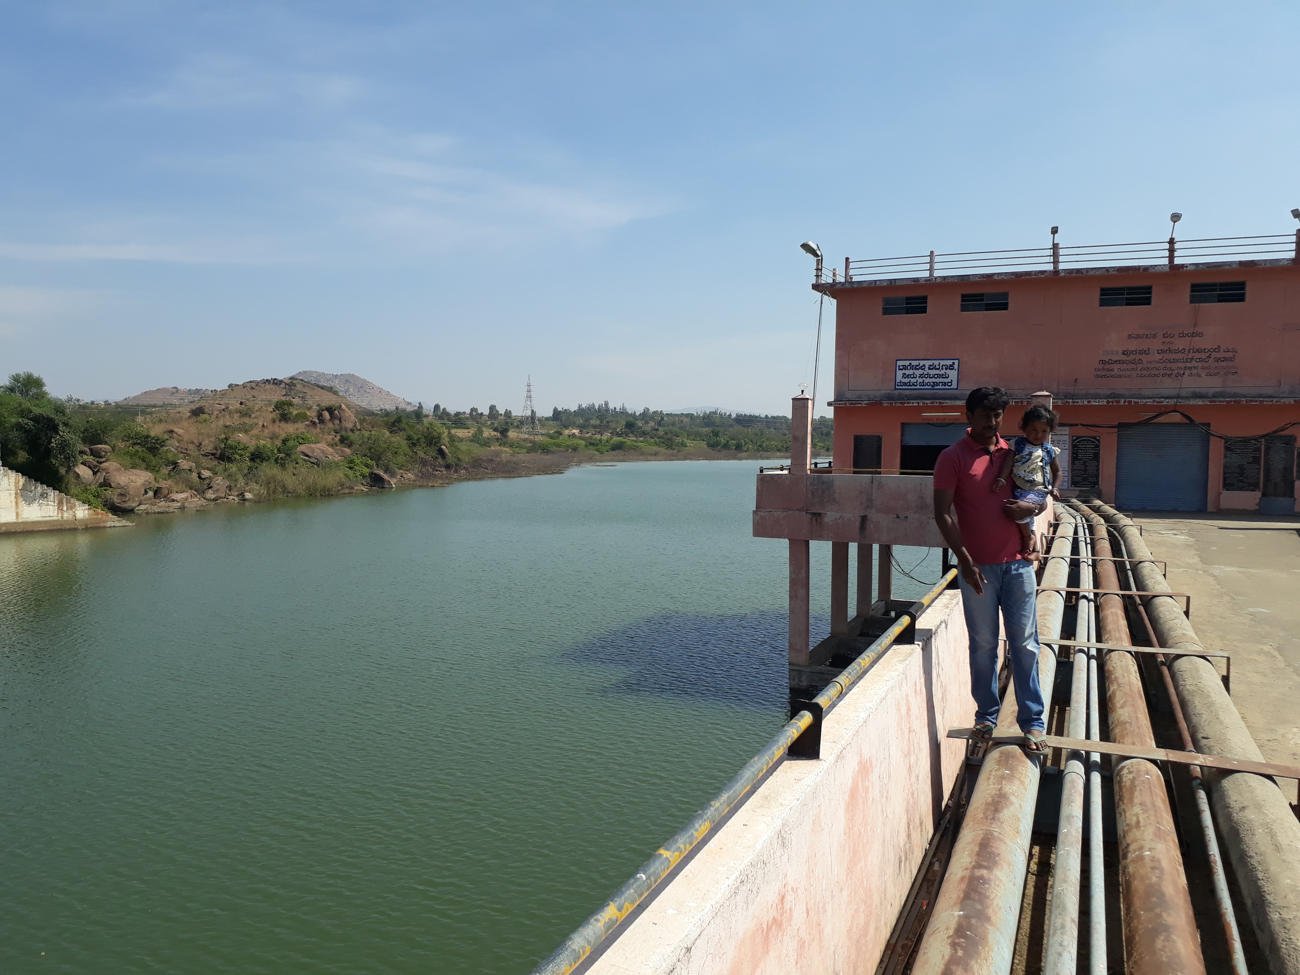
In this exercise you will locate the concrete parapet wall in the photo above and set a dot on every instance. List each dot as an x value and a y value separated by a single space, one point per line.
27 505
887 509
811 872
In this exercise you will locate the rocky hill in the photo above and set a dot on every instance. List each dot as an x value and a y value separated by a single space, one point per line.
166 396
353 387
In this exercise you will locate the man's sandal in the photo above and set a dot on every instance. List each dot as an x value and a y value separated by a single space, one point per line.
1036 742
980 736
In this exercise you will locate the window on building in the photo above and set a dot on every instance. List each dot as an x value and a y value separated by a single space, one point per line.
1217 292
904 305
1137 294
985 301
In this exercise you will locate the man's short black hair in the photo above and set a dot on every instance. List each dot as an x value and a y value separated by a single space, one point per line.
987 397
1039 414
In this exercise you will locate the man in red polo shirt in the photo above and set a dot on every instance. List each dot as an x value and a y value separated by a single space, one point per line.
996 578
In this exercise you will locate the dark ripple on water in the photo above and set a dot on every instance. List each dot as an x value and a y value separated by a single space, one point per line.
724 659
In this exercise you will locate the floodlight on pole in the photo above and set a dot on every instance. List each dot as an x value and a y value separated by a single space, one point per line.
1295 212
815 252
1173 221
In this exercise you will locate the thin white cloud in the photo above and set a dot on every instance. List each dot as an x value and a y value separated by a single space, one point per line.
221 81
252 252
430 187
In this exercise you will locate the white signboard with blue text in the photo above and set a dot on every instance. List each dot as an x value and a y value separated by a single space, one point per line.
922 374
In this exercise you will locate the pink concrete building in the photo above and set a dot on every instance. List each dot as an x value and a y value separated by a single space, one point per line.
1174 366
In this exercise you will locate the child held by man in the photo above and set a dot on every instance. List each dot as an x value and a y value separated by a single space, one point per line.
1032 468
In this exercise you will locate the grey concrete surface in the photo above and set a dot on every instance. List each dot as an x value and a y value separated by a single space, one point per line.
1243 573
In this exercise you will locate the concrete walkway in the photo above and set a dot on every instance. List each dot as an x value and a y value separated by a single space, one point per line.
1243 572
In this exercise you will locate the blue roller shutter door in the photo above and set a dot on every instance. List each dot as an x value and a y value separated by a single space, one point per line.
1162 467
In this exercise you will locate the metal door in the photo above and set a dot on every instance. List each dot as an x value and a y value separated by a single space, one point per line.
923 442
1162 467
1278 496
866 452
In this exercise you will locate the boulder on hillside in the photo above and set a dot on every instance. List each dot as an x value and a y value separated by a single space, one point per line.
129 487
381 480
83 474
345 419
217 488
183 465
318 453
339 417
100 450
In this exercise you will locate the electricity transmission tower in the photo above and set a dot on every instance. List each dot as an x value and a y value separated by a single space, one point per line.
530 411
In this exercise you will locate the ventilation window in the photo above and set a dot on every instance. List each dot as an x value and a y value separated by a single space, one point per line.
905 305
985 301
1217 292
1139 294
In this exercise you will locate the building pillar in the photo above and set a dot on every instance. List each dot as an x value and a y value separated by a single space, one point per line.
800 652
801 430
886 572
864 579
839 587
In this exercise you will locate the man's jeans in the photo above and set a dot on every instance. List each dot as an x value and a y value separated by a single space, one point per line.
1012 587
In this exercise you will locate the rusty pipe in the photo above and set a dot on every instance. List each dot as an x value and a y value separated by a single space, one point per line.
1159 925
973 926
1260 834
1062 934
1218 878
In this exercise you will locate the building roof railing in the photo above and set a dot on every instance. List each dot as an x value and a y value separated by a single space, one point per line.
1058 258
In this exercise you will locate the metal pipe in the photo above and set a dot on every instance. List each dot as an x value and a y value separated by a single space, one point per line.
1159 925
1096 851
598 928
1219 880
1062 937
976 913
1260 834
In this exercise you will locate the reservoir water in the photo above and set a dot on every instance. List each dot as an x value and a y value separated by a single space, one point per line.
423 731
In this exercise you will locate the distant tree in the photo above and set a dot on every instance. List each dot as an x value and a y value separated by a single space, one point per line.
283 410
37 436
26 385
493 412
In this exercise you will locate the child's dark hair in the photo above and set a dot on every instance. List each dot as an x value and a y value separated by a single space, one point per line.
1039 414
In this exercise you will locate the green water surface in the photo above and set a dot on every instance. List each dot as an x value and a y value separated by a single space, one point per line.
425 731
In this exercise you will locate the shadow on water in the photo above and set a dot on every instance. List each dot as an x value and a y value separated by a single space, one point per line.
736 659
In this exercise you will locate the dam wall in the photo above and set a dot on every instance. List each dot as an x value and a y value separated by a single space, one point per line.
27 505
810 873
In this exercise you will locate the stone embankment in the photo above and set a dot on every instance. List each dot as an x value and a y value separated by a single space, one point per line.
27 506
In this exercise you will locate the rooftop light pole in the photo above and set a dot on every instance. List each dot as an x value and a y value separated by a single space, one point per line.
815 252
1173 222
1056 250
1295 212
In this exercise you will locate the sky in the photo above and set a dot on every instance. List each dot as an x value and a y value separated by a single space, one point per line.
451 198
